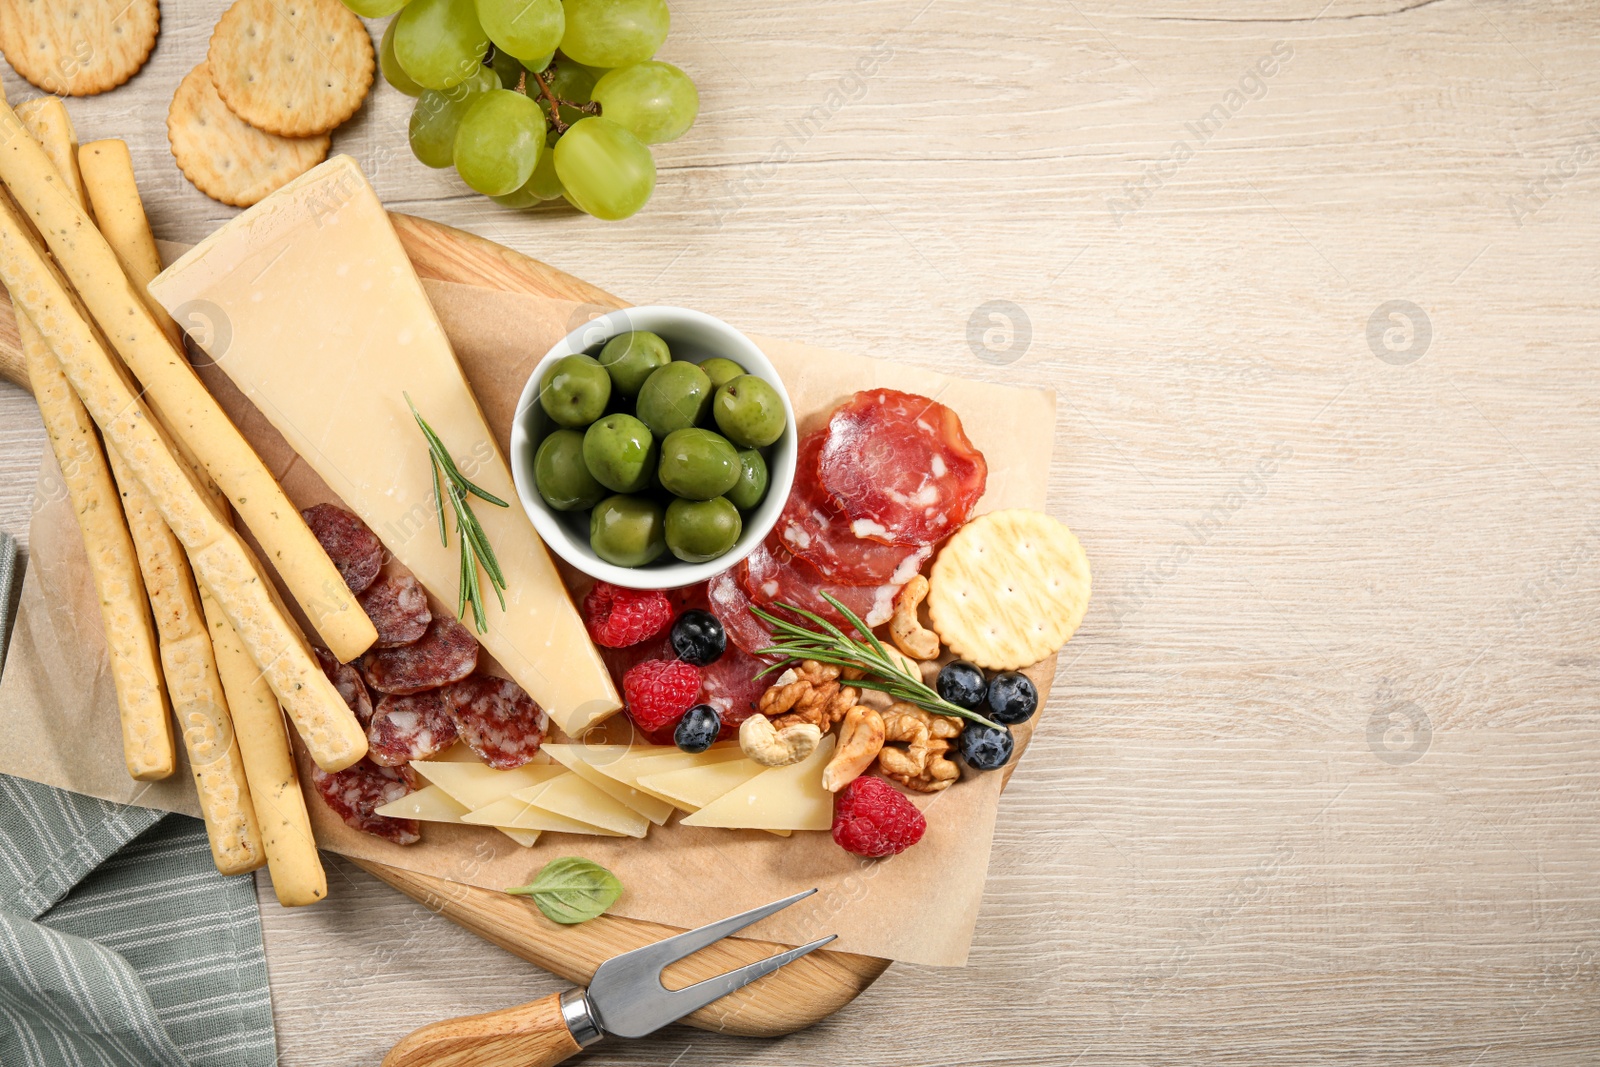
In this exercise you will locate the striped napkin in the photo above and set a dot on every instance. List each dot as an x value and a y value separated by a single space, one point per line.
120 944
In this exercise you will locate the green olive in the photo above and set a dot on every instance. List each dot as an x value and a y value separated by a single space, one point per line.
575 390
751 487
674 397
721 371
749 410
698 464
632 357
701 530
620 452
628 531
561 474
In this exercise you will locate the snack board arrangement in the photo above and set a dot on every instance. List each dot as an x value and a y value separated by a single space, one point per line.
311 556
529 101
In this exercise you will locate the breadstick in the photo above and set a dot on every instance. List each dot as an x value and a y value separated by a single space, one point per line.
185 647
147 745
107 170
280 806
194 415
332 735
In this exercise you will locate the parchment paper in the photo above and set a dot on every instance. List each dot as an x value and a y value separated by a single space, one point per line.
58 711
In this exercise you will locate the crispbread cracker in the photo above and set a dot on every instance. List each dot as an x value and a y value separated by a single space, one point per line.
227 158
291 67
1009 588
78 47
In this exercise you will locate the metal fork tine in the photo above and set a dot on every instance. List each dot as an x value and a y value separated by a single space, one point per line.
697 996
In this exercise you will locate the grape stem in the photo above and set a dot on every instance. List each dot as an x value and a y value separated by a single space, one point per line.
556 103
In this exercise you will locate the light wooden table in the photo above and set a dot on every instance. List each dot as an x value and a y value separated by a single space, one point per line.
1319 784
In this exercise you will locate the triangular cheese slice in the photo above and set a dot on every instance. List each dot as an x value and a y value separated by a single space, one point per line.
476 785
782 798
428 804
321 322
652 808
574 798
513 814
692 788
629 771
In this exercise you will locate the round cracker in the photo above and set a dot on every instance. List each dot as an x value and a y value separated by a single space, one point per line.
227 158
1009 588
291 67
78 47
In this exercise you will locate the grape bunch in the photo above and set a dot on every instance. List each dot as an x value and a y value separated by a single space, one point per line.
535 100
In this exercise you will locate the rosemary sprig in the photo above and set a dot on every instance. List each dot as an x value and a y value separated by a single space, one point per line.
829 644
476 551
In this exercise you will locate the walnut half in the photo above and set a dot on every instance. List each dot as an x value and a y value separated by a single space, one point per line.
809 693
916 743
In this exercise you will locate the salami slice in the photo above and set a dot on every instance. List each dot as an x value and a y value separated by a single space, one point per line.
347 680
445 653
775 577
405 728
729 602
900 467
497 719
730 685
354 549
356 792
814 529
398 607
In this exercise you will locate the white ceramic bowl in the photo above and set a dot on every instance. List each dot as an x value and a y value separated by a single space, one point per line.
691 335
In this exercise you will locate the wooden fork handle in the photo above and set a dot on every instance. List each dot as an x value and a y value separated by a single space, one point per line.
529 1035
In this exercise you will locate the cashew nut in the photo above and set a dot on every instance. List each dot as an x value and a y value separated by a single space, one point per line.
909 635
860 740
772 747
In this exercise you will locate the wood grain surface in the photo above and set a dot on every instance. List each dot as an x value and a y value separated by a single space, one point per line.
1319 786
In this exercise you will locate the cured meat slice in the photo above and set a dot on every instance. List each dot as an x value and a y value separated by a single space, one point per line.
729 602
730 685
398 607
356 792
405 728
776 577
900 467
353 547
347 680
814 529
497 719
445 653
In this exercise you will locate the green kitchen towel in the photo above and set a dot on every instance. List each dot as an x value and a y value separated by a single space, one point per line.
120 944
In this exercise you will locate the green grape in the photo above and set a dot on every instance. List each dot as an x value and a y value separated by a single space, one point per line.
393 72
541 63
438 114
571 81
526 29
614 33
654 101
375 9
542 187
604 169
499 142
439 42
505 67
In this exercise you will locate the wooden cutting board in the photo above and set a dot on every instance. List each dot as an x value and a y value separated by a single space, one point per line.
800 994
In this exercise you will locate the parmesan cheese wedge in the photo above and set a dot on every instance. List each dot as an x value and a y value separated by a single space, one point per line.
333 736
653 808
328 331
190 411
572 797
779 798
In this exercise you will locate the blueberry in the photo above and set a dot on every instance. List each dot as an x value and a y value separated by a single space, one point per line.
986 748
1012 698
698 637
961 684
700 726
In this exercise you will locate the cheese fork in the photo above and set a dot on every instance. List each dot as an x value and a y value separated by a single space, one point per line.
624 999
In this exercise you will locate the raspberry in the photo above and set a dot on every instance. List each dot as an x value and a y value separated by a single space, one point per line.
871 818
618 617
659 691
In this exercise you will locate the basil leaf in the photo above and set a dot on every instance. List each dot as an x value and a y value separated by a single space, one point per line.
571 890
